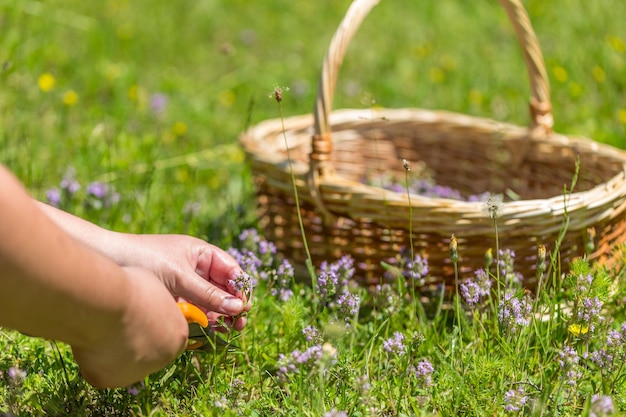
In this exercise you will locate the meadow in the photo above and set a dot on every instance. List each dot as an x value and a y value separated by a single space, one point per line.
128 114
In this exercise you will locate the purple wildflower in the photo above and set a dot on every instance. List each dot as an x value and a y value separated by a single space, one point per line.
16 374
428 188
613 352
98 189
416 269
326 286
601 406
342 269
479 198
506 263
69 184
243 283
515 400
514 312
583 283
247 260
386 298
135 389
236 386
101 195
395 345
589 312
298 361
348 305
53 195
423 371
569 363
473 290
266 248
312 334
253 244
250 239
470 292
191 208
280 279
158 103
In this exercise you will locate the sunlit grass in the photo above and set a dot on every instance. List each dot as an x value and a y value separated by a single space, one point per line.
149 98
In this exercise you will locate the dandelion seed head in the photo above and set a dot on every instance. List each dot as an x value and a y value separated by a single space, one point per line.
492 205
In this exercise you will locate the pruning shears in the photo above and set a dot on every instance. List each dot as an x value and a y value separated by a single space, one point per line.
201 336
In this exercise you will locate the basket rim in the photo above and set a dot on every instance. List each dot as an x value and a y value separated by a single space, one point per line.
255 143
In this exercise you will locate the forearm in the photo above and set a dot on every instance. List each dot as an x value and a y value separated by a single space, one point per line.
50 284
125 249
188 267
109 243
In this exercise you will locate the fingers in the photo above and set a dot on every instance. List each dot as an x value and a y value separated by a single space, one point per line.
151 333
207 286
208 296
224 323
217 265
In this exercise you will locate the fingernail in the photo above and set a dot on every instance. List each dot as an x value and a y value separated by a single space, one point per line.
232 305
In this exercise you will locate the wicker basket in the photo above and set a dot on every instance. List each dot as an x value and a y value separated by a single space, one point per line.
331 152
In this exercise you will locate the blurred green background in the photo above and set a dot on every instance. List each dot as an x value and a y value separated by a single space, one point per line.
153 95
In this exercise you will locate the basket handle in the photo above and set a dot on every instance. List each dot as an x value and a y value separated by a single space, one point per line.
540 107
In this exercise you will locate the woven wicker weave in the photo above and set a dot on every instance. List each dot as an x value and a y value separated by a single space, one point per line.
332 151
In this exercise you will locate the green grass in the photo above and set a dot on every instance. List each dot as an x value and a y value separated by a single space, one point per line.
217 62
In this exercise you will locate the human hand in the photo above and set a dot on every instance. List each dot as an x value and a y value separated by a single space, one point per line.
152 333
192 269
189 267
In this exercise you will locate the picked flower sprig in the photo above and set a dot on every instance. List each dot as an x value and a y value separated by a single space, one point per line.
244 283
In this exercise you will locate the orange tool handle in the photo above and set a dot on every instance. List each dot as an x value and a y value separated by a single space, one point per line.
193 315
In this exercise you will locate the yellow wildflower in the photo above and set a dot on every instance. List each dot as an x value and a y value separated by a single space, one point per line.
559 73
133 92
70 98
179 129
578 329
436 75
622 115
227 98
475 96
574 89
598 74
617 43
46 82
